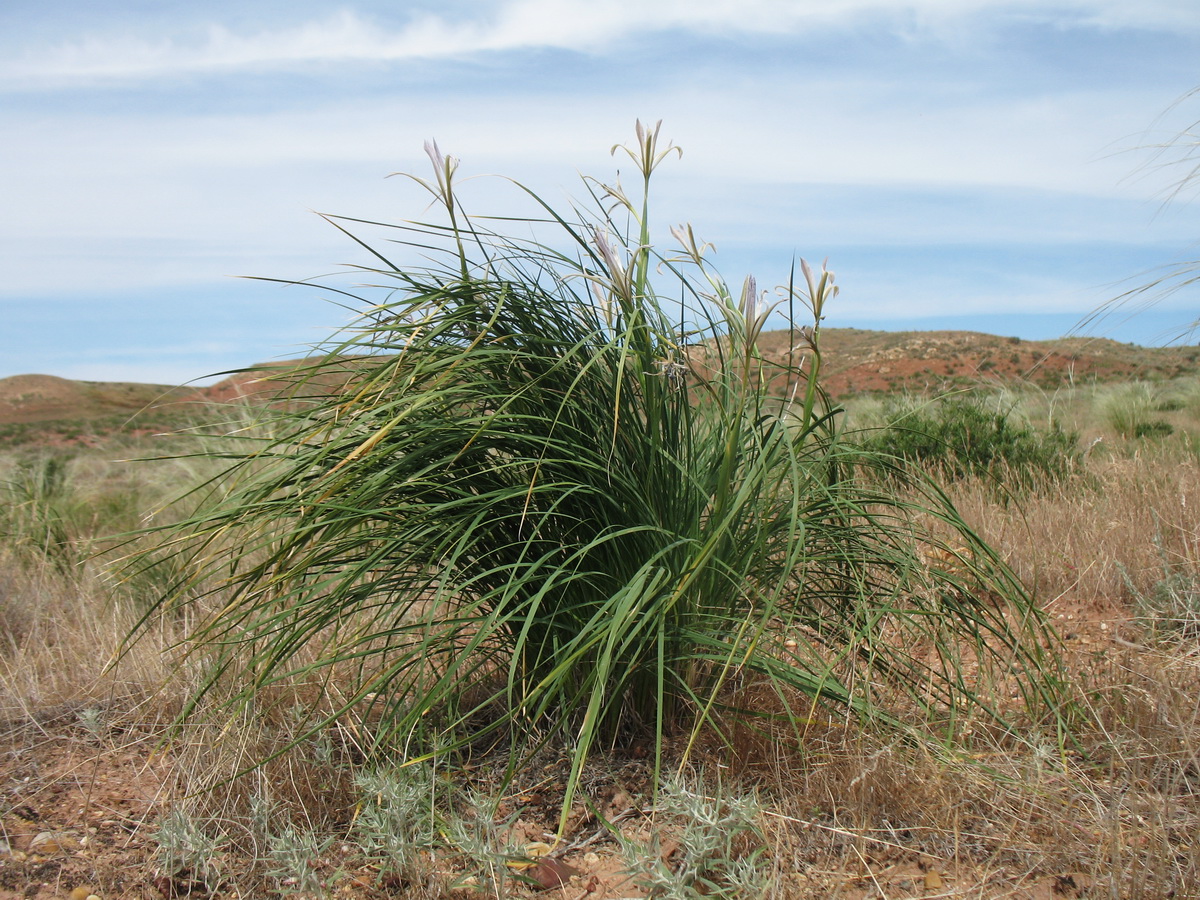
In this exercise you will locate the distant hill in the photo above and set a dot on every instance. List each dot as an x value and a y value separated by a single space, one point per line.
40 398
858 361
855 361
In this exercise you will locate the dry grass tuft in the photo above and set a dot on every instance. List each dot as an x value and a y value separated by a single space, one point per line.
1105 538
59 635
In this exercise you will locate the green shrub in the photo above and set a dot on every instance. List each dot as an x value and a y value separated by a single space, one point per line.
557 496
397 818
959 437
1153 429
1128 408
720 851
40 515
187 848
294 866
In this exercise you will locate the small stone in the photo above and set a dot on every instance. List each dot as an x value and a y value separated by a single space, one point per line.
550 873
591 859
83 892
933 881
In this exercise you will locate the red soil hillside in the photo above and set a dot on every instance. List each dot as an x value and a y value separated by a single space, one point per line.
40 398
857 361
854 361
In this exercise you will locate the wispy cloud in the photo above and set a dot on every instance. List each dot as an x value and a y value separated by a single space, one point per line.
125 52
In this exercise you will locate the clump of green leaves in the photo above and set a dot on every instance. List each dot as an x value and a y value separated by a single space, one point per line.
40 512
294 862
188 848
398 817
553 494
1129 410
959 436
1155 429
720 851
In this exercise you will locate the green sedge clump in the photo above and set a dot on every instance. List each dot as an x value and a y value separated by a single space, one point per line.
548 488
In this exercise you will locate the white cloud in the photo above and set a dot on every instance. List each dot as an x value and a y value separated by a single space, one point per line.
88 170
148 198
579 25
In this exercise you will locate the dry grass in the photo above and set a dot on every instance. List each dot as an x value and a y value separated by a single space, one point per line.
844 812
1111 535
59 636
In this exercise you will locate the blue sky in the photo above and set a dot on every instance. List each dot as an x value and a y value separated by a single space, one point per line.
961 163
